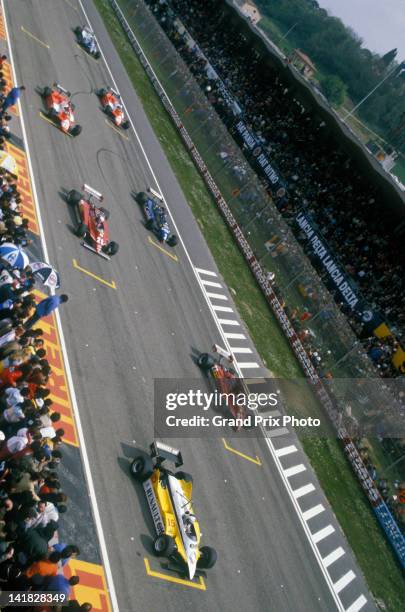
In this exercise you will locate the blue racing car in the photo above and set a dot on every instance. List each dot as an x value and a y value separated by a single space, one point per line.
156 217
86 39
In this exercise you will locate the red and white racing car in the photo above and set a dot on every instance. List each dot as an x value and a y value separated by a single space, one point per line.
60 109
92 220
219 365
112 105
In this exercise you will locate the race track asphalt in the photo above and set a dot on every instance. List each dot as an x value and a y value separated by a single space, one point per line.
119 339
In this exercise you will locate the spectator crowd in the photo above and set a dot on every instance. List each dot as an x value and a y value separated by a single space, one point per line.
32 500
320 178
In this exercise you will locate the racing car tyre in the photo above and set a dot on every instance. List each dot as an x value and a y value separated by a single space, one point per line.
78 31
172 240
205 361
112 248
184 476
149 224
81 230
76 129
142 468
105 212
125 125
141 197
97 55
100 92
74 197
208 557
164 545
46 92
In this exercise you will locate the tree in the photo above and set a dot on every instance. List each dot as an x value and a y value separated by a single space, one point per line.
389 57
334 88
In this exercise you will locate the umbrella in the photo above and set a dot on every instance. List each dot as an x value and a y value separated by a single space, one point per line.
46 273
15 256
8 162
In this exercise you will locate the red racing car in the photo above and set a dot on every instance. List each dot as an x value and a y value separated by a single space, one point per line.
60 109
92 220
112 106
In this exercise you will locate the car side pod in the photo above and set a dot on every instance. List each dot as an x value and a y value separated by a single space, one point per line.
90 248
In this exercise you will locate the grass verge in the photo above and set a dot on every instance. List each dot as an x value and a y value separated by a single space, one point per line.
335 475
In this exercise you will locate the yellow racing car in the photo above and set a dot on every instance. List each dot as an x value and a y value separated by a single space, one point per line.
168 494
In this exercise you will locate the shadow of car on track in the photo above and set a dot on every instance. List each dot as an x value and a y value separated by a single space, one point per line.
124 463
195 354
141 217
63 194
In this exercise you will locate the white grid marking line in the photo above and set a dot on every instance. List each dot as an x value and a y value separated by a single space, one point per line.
207 272
229 322
216 296
358 604
333 556
295 469
210 283
286 450
276 433
323 533
308 488
314 511
344 581
222 308
231 336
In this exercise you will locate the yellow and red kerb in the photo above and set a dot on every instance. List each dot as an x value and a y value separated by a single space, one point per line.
2 27
57 384
24 187
92 587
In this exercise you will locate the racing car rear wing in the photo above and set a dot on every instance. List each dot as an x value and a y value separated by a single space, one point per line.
163 452
65 91
114 92
93 192
223 353
156 194
231 360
